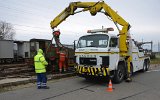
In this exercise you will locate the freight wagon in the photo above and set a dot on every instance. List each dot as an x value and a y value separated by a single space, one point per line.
14 51
6 51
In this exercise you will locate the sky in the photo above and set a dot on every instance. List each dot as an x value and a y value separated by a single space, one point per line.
31 19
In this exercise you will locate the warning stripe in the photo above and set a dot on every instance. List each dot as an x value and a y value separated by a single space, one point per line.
92 71
104 72
89 70
95 71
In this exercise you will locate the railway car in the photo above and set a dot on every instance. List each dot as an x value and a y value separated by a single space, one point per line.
6 51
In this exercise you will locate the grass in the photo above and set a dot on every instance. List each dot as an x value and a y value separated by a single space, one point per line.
156 60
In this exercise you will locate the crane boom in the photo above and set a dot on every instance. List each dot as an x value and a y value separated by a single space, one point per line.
94 8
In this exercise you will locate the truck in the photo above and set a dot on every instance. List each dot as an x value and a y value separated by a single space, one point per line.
98 55
111 56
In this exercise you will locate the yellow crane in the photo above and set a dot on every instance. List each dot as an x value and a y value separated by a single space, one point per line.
100 7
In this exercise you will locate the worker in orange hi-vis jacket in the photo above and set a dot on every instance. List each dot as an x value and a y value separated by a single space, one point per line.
62 60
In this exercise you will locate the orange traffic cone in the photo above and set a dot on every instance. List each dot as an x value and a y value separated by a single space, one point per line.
110 89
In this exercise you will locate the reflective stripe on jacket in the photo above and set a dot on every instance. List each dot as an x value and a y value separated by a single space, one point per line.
40 63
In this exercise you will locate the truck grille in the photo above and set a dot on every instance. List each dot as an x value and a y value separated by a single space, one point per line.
105 60
88 61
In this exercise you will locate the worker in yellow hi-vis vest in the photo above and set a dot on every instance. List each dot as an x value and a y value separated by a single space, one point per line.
40 69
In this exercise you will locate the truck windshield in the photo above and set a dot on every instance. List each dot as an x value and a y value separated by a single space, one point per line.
96 40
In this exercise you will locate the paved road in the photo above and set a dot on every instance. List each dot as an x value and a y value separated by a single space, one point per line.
145 86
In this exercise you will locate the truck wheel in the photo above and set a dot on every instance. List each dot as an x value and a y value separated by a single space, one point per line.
119 74
145 66
132 70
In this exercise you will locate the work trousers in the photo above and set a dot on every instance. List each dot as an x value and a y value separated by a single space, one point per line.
62 64
41 80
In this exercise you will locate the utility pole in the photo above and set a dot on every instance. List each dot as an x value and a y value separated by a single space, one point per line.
158 46
151 46
1 37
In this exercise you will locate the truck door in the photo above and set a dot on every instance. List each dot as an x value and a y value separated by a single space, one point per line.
136 54
113 52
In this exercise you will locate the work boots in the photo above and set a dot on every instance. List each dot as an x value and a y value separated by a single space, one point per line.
60 70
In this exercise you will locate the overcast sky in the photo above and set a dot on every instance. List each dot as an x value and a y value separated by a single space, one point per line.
31 18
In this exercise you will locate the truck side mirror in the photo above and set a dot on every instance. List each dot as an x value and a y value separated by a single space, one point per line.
75 45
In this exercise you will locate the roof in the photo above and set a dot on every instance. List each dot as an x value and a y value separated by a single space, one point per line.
34 39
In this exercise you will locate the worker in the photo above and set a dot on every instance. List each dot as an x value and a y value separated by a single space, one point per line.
40 69
62 60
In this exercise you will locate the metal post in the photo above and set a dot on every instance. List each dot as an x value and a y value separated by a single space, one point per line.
158 47
1 37
151 46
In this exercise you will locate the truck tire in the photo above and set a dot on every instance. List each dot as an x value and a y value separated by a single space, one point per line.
132 70
146 65
119 74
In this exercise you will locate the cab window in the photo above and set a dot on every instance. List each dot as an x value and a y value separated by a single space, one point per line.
113 42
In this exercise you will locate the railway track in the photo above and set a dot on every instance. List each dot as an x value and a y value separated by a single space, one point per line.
16 70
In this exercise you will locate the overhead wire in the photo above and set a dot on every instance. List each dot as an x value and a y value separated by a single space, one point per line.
18 11
28 4
29 26
24 5
24 12
25 18
16 15
33 30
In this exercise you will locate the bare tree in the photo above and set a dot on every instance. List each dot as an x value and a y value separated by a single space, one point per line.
6 31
